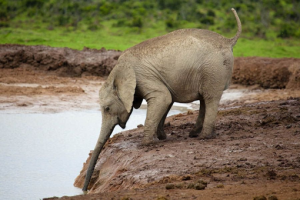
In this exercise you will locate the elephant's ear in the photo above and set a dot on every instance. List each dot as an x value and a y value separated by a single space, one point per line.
125 83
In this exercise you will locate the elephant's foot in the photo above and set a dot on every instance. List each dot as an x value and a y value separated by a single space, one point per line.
195 132
147 142
149 139
161 135
210 135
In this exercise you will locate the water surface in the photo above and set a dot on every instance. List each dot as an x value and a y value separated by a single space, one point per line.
41 154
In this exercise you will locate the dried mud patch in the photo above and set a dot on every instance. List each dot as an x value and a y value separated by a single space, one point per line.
256 152
39 90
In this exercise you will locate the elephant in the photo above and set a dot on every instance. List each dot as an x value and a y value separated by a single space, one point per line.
182 66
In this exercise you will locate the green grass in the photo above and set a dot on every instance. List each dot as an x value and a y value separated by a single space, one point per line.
278 48
122 38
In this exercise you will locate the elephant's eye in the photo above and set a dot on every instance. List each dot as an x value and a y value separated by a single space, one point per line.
106 108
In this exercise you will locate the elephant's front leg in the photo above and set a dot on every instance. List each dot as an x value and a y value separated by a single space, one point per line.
157 106
161 135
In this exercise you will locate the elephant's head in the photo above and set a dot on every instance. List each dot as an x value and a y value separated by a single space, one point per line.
116 100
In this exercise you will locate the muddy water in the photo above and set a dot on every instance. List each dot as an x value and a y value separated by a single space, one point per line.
41 154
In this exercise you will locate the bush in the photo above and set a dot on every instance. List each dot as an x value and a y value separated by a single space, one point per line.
137 22
120 23
259 31
33 3
106 8
93 27
3 15
258 18
4 24
207 20
31 12
211 13
171 23
170 4
287 30
62 20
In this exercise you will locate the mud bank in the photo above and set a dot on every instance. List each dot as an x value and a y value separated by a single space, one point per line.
256 152
64 61
274 73
265 72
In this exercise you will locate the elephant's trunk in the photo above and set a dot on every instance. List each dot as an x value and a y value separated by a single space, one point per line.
104 135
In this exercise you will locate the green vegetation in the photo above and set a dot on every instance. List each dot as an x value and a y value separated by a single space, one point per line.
271 28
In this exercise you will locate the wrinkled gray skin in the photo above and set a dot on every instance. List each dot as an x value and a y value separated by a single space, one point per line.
182 66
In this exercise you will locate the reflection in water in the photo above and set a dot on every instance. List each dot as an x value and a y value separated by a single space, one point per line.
41 154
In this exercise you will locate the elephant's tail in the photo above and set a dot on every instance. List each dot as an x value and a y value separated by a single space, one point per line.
238 33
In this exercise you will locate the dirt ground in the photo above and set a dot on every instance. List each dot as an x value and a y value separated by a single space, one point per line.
256 152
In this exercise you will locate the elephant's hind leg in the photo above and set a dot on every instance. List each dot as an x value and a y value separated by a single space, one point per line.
211 110
199 123
161 135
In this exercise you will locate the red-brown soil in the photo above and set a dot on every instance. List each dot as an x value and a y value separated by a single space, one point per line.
256 152
267 72
64 61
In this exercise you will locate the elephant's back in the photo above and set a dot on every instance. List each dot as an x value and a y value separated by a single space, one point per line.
177 40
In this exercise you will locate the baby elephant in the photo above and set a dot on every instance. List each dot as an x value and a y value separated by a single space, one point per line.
182 66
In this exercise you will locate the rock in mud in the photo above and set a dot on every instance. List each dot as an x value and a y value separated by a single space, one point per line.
170 186
272 198
199 186
162 198
271 174
260 198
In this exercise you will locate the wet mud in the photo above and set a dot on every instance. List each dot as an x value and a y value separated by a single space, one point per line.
255 153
